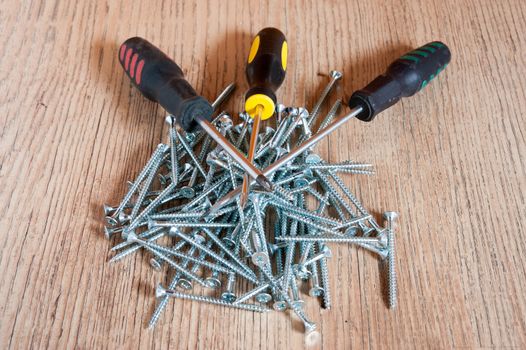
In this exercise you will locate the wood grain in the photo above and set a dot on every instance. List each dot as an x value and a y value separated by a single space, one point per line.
451 160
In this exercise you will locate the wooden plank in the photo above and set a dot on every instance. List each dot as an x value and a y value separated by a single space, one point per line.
450 160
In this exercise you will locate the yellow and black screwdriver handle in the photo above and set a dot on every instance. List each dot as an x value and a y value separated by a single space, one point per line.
266 67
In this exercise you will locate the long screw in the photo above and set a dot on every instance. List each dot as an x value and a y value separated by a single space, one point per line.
157 154
160 292
164 300
335 76
390 217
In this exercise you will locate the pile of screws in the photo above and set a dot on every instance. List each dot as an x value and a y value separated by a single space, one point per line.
272 244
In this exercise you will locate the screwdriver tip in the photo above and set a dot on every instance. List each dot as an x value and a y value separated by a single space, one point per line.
265 183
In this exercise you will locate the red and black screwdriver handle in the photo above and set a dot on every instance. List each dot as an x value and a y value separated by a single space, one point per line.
161 80
403 78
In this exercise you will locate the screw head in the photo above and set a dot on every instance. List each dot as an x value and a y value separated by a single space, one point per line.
351 231
334 74
384 253
229 297
263 298
327 252
111 221
292 111
170 120
160 291
129 236
300 182
301 271
303 113
108 232
316 292
260 259
279 305
212 282
229 243
298 304
390 215
199 239
225 122
313 158
185 284
172 232
190 137
155 264
108 209
123 217
187 169
187 192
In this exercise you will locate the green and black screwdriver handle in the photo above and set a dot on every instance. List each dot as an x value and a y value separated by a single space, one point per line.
161 80
403 78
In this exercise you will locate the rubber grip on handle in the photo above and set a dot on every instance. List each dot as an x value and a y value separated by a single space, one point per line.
403 78
161 80
265 71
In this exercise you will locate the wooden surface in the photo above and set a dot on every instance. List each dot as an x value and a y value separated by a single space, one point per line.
451 160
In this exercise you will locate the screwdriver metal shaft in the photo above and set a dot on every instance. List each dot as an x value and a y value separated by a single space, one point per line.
251 153
252 171
320 135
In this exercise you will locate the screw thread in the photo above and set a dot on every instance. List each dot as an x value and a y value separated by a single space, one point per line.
191 154
316 109
209 300
153 204
134 248
305 213
334 193
173 153
173 284
392 266
325 282
156 249
330 116
231 254
251 277
157 154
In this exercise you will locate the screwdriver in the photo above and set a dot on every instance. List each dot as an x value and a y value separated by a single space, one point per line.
161 80
403 78
265 72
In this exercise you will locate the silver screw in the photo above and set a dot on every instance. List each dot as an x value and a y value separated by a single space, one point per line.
324 268
160 292
157 250
157 154
136 247
228 295
390 217
191 154
164 300
330 116
335 76
173 149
